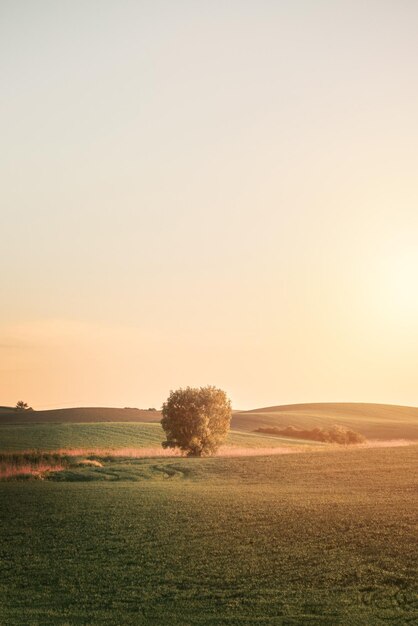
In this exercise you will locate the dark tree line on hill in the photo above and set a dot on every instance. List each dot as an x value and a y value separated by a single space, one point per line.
335 434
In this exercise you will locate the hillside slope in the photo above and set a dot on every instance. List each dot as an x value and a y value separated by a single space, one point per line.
374 421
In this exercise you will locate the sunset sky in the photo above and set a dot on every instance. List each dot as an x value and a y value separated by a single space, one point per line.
208 193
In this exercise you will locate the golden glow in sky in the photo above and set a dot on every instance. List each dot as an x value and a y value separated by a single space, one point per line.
203 194
402 286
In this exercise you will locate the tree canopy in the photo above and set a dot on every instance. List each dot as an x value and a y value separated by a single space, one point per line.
196 420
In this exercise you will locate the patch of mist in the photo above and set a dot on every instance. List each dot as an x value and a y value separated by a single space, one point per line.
241 451
389 443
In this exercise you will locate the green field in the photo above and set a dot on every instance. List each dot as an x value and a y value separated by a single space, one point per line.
14 437
73 435
325 538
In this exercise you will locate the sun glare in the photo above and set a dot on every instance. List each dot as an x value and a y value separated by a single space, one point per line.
401 284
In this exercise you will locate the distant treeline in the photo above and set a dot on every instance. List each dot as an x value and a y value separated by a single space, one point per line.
335 434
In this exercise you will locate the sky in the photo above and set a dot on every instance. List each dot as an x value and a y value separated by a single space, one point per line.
201 193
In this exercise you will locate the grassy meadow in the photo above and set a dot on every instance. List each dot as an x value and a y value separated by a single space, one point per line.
313 538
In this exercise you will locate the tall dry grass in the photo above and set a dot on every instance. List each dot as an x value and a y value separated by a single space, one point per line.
158 452
29 464
128 452
35 464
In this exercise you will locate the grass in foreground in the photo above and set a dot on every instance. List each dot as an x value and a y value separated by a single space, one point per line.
324 538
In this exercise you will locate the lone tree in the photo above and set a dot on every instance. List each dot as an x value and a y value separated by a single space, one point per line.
23 406
196 420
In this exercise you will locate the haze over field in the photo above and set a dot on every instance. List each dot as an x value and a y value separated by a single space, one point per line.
201 193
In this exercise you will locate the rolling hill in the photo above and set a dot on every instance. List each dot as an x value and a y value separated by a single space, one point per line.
374 421
79 415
